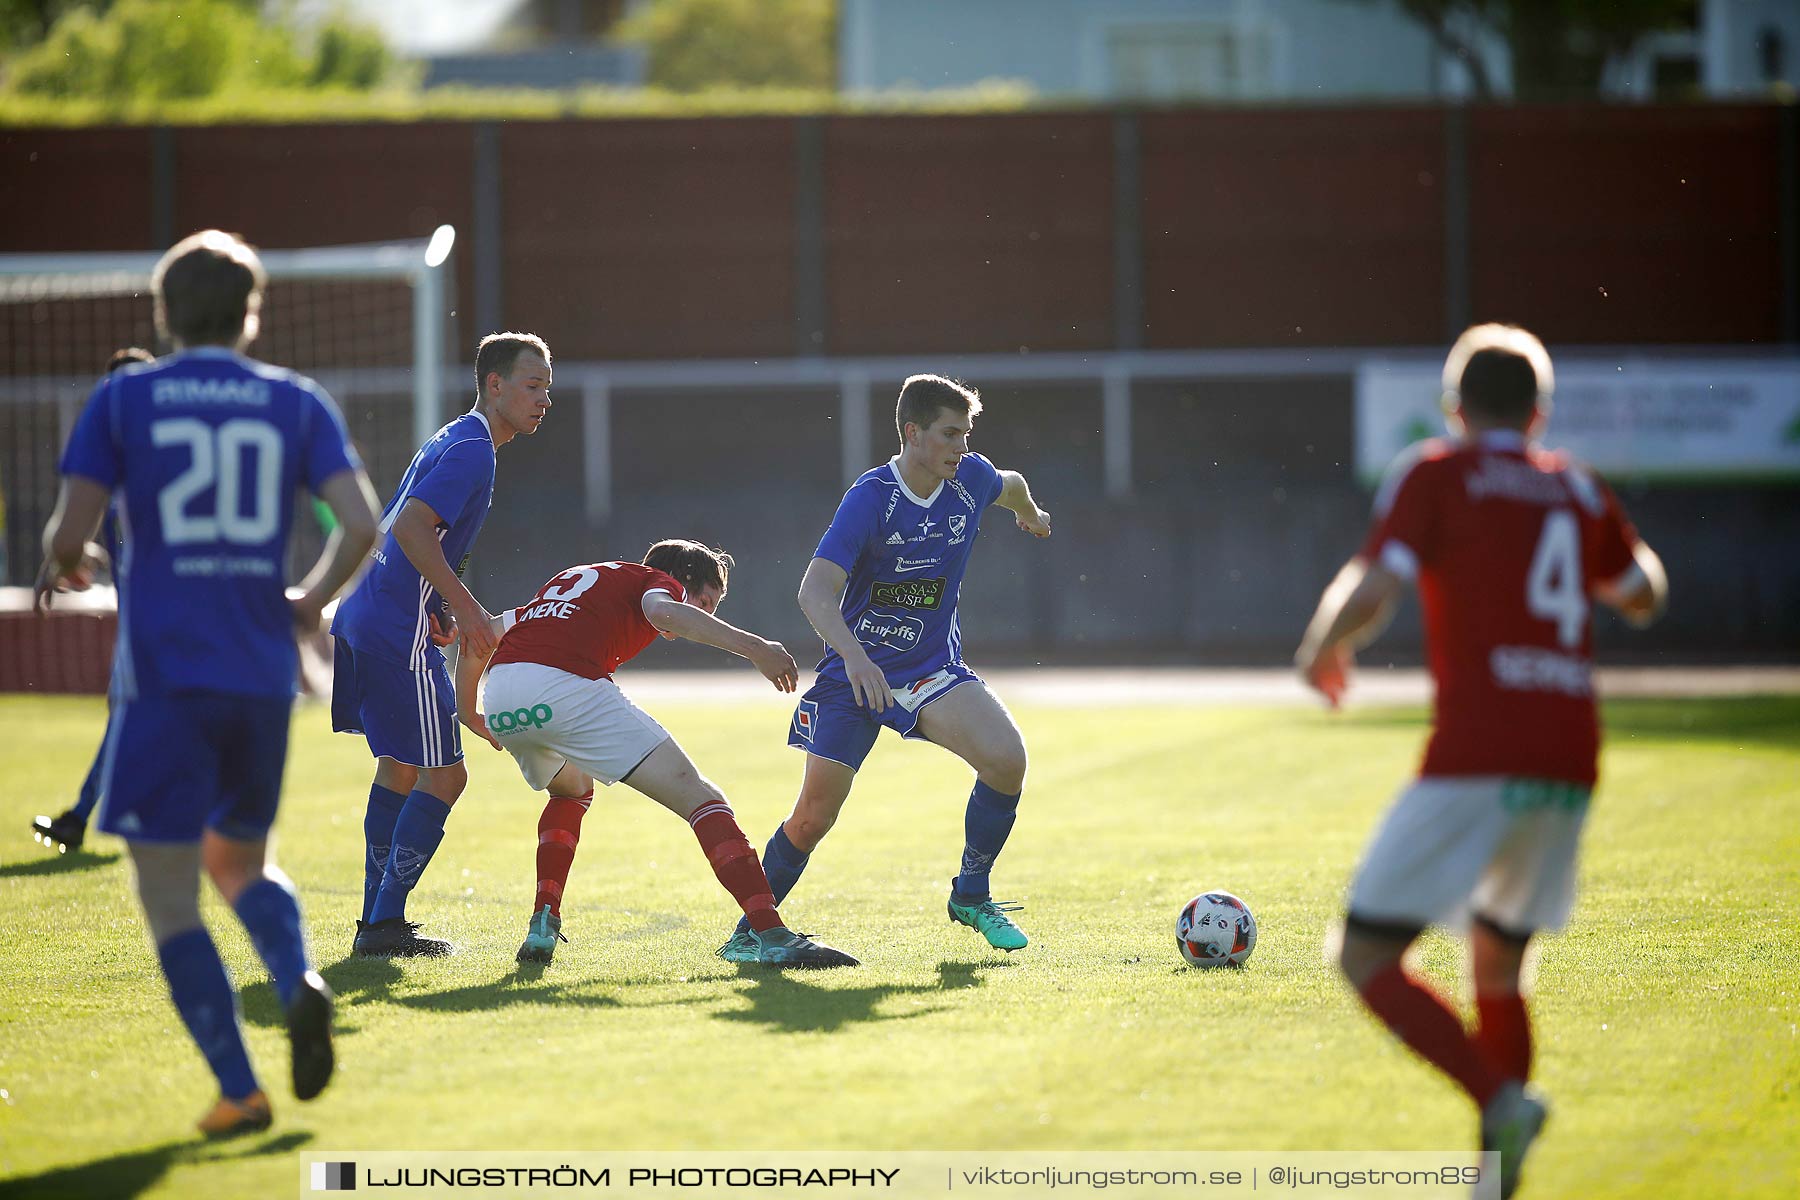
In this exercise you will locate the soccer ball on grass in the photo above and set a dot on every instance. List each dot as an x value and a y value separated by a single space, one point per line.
1215 929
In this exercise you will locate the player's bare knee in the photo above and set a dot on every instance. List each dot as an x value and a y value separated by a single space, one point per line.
446 783
1003 769
1361 956
234 865
807 830
231 878
396 776
709 792
1496 957
168 886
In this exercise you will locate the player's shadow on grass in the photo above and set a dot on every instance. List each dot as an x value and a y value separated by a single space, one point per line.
58 864
137 1172
792 1002
360 981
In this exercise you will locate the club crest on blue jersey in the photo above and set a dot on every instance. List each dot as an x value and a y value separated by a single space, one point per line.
806 718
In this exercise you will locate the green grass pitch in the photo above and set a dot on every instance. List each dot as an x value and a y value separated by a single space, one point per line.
1666 1015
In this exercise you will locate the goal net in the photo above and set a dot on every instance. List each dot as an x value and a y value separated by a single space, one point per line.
368 322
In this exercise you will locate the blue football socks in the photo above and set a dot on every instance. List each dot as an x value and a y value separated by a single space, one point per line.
378 840
203 996
986 823
271 915
417 832
782 862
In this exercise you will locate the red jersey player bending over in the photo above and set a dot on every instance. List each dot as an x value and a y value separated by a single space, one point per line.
1508 545
550 701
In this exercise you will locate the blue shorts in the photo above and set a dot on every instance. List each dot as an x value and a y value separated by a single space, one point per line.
408 716
830 723
179 764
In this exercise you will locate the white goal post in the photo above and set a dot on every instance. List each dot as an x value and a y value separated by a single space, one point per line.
367 321
420 264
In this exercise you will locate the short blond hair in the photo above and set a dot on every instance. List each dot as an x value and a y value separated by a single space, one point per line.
1499 373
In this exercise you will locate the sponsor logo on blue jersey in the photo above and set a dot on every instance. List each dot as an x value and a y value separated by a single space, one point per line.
891 630
905 556
910 593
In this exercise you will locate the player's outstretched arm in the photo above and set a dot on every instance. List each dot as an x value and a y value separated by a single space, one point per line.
415 529
352 503
1354 608
697 625
79 506
1015 495
1642 593
820 591
469 666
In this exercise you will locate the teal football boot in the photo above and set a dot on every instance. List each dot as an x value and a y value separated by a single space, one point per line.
782 948
540 940
988 917
741 948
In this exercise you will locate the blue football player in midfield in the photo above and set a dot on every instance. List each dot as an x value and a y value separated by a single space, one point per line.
882 592
389 681
203 453
67 830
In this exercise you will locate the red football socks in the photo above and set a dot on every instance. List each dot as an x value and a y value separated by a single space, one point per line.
735 863
559 829
1423 1021
1504 1034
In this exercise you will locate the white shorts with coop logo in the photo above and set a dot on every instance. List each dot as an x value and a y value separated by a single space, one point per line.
546 717
1456 847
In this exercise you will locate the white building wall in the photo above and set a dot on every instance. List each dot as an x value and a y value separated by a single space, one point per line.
1731 45
1107 49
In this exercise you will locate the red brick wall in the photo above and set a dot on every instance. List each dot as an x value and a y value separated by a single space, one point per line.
1278 227
61 652
1293 228
1601 225
74 189
651 239
969 234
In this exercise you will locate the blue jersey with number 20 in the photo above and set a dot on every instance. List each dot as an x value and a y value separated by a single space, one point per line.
905 555
204 452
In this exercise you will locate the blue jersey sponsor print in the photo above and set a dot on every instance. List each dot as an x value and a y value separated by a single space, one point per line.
204 452
905 555
453 473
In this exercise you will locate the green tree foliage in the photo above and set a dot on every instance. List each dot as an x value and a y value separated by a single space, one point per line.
349 55
1559 47
26 22
695 45
158 50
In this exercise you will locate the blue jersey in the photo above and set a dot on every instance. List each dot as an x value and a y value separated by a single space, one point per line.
204 452
905 555
453 473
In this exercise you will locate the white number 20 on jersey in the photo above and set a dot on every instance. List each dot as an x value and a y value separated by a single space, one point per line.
1553 586
216 458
